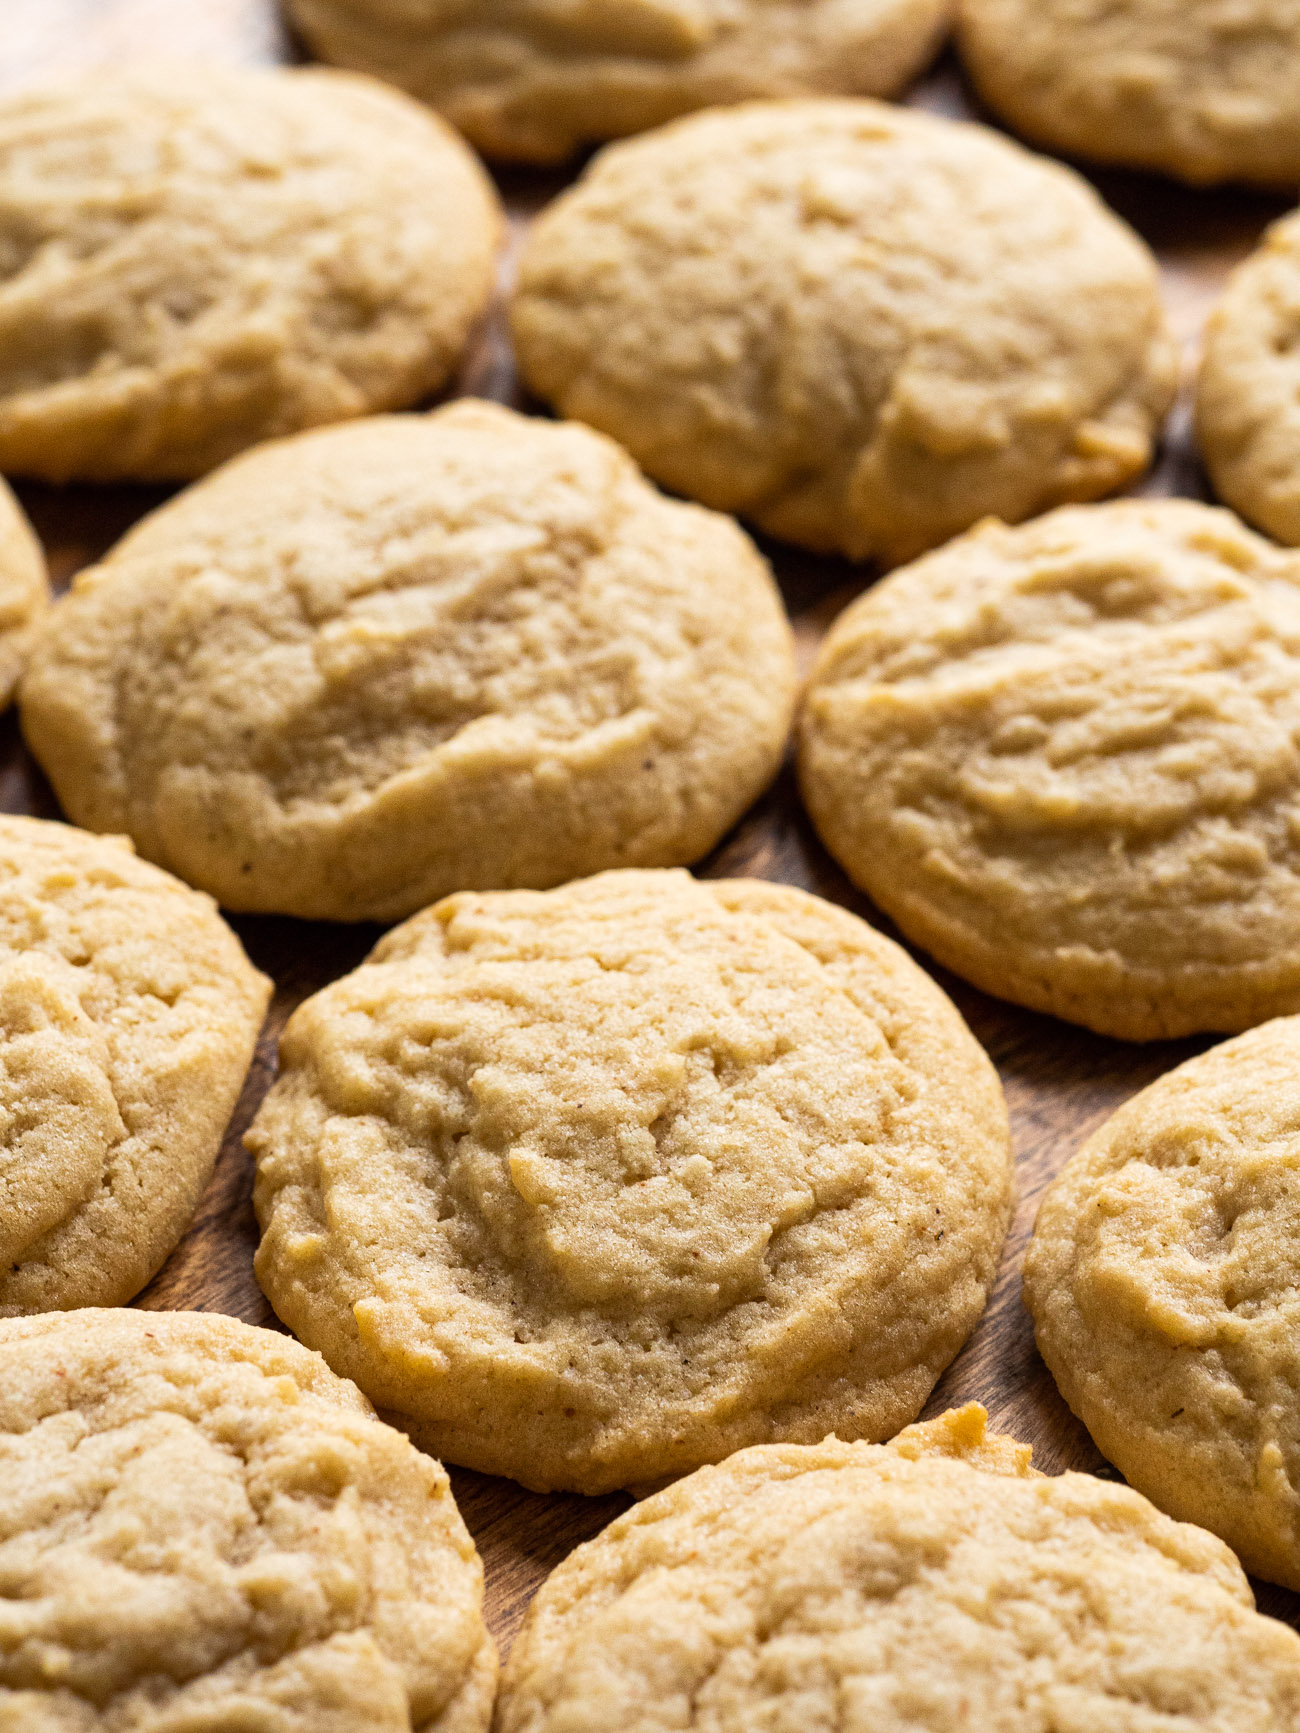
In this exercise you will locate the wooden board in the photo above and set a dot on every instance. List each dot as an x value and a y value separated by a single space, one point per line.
1061 1082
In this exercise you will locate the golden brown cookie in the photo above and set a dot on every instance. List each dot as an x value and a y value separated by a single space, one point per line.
1064 759
862 327
594 1185
128 1015
1164 1280
24 591
360 669
203 1530
538 79
193 258
934 1585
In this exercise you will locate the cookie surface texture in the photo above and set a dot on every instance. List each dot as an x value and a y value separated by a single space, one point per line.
1248 393
597 1184
128 1017
861 327
24 591
202 1527
927 1586
1163 1279
196 258
1205 92
361 669
535 80
1063 758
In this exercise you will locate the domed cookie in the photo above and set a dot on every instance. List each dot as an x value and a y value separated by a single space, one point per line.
594 1185
128 1016
201 1527
536 81
1064 759
1164 1280
932 1584
1207 92
360 669
24 591
193 258
861 327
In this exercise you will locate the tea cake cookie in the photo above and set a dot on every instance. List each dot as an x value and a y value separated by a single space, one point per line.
1248 394
536 81
1205 92
1164 1280
933 1584
1064 759
861 327
201 1527
194 258
596 1184
128 1016
24 590
360 669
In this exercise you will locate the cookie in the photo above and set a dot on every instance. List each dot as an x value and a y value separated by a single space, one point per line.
128 1015
1205 92
536 81
360 669
927 1586
24 591
202 1528
1164 1276
194 258
593 1185
861 327
1248 393
1063 758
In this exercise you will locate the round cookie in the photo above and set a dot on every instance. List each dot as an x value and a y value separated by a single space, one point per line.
360 669
1063 758
24 591
593 1185
1248 393
1164 1281
202 1528
861 327
1206 92
934 1584
536 81
196 258
128 1016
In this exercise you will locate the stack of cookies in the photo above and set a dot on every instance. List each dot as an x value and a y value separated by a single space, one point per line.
597 1173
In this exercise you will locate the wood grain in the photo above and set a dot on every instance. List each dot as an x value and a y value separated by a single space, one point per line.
1061 1082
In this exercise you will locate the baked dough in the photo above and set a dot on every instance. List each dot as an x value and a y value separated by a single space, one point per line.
360 669
1164 1280
933 1585
860 326
193 258
1064 759
202 1528
24 591
536 80
128 1015
593 1185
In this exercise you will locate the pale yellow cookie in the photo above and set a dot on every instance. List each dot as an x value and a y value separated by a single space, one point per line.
1206 90
203 1530
594 1185
1164 1280
862 327
193 258
128 1015
1064 758
24 591
536 80
1248 394
360 669
934 1585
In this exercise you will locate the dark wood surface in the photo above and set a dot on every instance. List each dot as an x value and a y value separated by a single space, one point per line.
1060 1081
